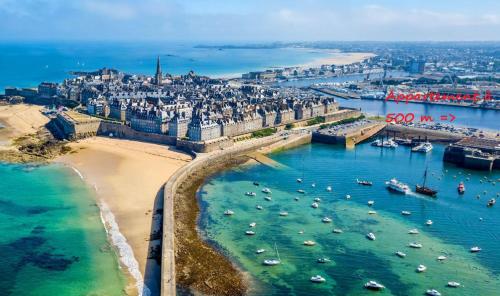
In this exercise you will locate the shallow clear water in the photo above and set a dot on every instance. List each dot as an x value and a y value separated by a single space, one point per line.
52 241
355 259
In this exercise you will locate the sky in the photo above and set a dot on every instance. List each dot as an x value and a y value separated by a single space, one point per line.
250 20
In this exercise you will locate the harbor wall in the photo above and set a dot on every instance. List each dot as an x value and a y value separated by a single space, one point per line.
119 130
413 132
168 281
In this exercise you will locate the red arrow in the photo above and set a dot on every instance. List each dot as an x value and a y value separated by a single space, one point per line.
452 117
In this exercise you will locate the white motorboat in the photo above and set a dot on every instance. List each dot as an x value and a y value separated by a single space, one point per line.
250 193
297 198
441 258
266 190
337 230
347 196
370 236
283 214
428 222
323 260
397 186
249 232
228 212
421 268
259 207
274 261
317 199
299 180
475 249
377 143
390 143
400 254
405 213
373 285
253 224
326 220
309 243
268 198
318 279
313 185
453 284
329 188
415 245
422 147
371 202
315 205
260 251
372 212
301 191
432 292
413 231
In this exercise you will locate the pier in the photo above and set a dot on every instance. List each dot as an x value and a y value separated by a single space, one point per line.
474 153
349 134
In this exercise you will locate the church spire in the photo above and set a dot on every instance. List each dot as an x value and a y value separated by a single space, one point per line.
158 75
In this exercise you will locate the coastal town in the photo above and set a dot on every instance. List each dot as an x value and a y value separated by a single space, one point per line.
103 120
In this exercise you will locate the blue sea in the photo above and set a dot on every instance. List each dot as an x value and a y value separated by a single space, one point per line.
28 64
459 222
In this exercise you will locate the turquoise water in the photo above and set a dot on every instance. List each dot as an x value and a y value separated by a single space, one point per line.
355 260
27 64
52 241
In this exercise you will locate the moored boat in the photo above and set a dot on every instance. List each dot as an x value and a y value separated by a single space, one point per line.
432 292
373 285
258 207
429 222
318 279
301 191
315 205
249 232
370 236
453 284
491 202
441 258
323 260
253 224
364 182
283 214
461 188
422 147
274 261
475 249
329 188
405 213
371 202
260 251
309 243
250 194
413 231
400 254
337 230
266 190
326 220
421 268
228 212
415 245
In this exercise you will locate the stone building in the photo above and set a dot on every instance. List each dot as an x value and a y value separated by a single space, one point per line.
178 126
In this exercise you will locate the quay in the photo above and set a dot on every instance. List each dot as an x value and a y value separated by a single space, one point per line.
348 134
474 153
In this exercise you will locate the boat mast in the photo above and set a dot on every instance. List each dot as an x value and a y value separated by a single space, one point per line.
425 176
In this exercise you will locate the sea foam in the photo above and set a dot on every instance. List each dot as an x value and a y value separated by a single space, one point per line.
124 250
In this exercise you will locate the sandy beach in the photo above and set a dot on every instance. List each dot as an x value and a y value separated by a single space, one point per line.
128 177
19 120
339 59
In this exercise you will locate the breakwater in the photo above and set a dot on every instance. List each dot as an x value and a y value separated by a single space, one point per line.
200 163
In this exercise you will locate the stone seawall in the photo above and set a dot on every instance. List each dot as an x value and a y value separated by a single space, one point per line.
118 130
168 276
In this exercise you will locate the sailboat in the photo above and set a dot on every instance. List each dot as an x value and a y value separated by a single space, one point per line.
272 262
425 190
